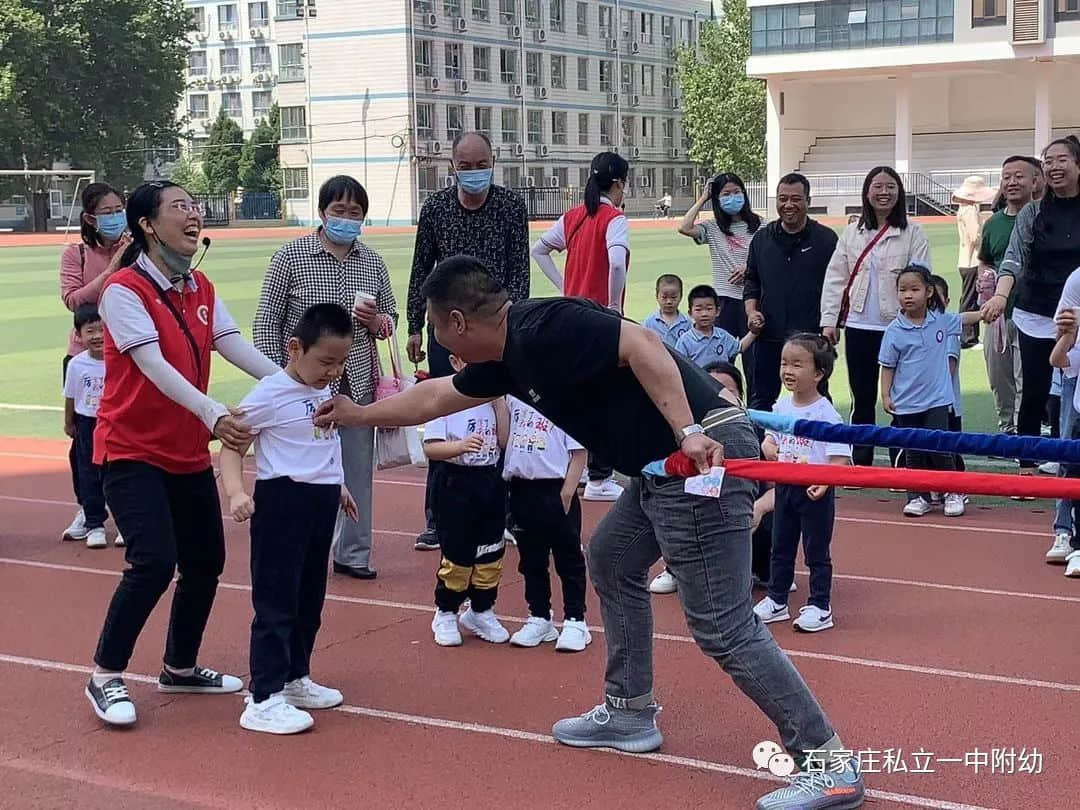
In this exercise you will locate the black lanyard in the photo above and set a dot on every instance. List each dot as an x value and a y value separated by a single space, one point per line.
181 322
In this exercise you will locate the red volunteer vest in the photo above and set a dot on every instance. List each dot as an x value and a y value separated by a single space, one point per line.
135 421
587 270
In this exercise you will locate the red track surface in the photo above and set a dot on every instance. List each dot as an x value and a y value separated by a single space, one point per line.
989 661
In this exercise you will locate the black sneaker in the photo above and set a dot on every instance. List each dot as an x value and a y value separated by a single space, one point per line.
202 681
426 541
111 701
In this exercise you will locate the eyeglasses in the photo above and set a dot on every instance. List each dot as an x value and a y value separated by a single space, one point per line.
188 207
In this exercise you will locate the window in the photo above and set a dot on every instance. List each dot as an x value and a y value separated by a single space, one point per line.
646 28
482 120
627 77
583 73
607 78
512 177
228 18
650 178
687 183
424 6
987 12
511 133
296 184
667 31
648 131
261 101
422 58
1066 10
556 15
453 8
230 60
604 15
453 60
562 176
293 124
669 181
630 183
198 18
669 133
607 130
259 14
558 127
291 63
583 129
199 105
583 176
583 19
508 12
626 23
286 9
686 31
260 58
627 130
508 66
425 122
455 114
667 81
196 63
648 84
480 10
427 181
536 126
533 73
537 175
198 146
558 72
532 14
481 59
231 105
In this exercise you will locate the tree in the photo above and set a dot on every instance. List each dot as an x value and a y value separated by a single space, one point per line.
221 159
724 109
90 83
188 173
259 168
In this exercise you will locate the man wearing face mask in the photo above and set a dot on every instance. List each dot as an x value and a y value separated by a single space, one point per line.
474 218
331 266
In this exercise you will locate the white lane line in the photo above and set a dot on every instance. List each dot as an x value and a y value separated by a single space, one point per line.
18 406
527 736
680 639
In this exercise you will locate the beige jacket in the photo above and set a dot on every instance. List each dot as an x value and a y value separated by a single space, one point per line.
893 252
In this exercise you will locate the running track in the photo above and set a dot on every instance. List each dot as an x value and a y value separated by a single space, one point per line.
949 639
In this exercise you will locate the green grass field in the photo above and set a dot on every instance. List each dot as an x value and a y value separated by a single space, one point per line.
34 323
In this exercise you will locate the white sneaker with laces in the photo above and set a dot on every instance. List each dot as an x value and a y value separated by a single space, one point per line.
575 636
535 632
77 529
1050 468
813 619
1072 564
769 611
1061 549
484 625
304 693
96 539
917 507
602 491
274 716
444 625
954 505
663 582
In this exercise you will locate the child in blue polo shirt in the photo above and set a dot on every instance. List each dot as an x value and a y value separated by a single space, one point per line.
667 321
706 343
916 384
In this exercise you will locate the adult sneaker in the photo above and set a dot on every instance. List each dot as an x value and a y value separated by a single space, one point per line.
630 730
917 507
575 636
77 529
1072 564
813 619
484 625
1061 549
111 701
769 611
304 693
602 491
664 582
535 632
445 628
427 540
274 716
954 505
95 538
818 790
201 681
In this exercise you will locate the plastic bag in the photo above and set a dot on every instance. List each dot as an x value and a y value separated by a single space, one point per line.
401 446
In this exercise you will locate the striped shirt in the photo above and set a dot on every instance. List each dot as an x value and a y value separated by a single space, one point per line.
728 254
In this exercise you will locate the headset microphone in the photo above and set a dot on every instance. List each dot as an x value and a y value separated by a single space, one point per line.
206 247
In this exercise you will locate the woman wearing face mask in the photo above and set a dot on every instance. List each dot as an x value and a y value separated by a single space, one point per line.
84 269
154 425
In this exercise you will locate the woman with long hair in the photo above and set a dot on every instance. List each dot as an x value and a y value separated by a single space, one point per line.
859 294
162 319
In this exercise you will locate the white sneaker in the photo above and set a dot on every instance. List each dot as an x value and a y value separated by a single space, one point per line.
274 716
484 625
95 538
664 582
768 611
119 541
1061 549
444 625
508 537
917 508
77 529
535 632
954 505
1050 468
602 491
1072 567
813 619
304 693
575 637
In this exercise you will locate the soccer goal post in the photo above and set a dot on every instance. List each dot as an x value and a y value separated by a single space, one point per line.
62 186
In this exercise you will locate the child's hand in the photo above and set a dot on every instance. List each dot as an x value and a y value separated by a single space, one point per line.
472 444
1066 322
241 507
349 505
816 492
755 322
887 404
770 451
69 430
567 500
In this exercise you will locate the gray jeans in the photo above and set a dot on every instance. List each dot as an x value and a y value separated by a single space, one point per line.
1063 521
352 541
706 545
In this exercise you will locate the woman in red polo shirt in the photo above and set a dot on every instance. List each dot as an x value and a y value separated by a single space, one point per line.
596 239
153 429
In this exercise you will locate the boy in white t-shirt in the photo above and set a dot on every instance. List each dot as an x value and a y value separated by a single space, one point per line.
468 500
542 469
84 383
299 488
806 362
1066 356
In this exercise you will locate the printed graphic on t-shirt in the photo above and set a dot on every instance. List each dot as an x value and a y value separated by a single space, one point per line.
530 431
328 433
794 449
84 383
485 429
92 389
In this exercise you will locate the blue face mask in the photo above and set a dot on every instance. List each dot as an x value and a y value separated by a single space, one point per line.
111 226
733 204
342 231
475 181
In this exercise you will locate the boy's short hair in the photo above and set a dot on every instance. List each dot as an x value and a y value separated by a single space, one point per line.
668 278
86 314
723 367
321 320
703 291
820 348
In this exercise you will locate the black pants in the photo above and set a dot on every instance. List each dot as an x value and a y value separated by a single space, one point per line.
956 425
169 521
796 515
89 474
1073 471
861 347
765 361
761 557
599 468
438 366
545 530
71 450
1053 414
1037 373
969 302
291 533
470 515
933 419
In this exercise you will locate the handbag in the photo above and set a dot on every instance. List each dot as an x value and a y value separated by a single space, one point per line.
398 446
845 303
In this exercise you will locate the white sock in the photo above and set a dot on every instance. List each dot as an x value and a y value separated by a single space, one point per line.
100 677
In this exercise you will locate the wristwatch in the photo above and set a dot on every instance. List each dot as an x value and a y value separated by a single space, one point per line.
688 431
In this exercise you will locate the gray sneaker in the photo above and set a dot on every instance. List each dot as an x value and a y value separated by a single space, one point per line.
817 790
632 731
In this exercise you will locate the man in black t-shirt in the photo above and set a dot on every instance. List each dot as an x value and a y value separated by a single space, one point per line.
616 388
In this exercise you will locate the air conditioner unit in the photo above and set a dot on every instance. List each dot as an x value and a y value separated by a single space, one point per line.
635 100
553 181
515 91
431 83
635 151
541 150
519 150
635 47
674 102
673 152
613 44
540 35
530 182
612 98
514 32
643 181
448 181
462 85
669 51
430 20
201 36
226 35
460 24
541 92
258 33
1027 22
684 181
434 148
207 124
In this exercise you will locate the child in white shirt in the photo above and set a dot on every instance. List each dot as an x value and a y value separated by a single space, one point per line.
1066 356
299 487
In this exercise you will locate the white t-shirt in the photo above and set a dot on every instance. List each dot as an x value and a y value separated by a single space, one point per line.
85 383
728 253
536 449
800 450
461 425
870 318
280 411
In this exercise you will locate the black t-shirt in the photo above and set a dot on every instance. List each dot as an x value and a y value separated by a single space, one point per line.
562 357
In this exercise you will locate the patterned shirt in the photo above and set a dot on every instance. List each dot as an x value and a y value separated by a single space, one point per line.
303 273
497 234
